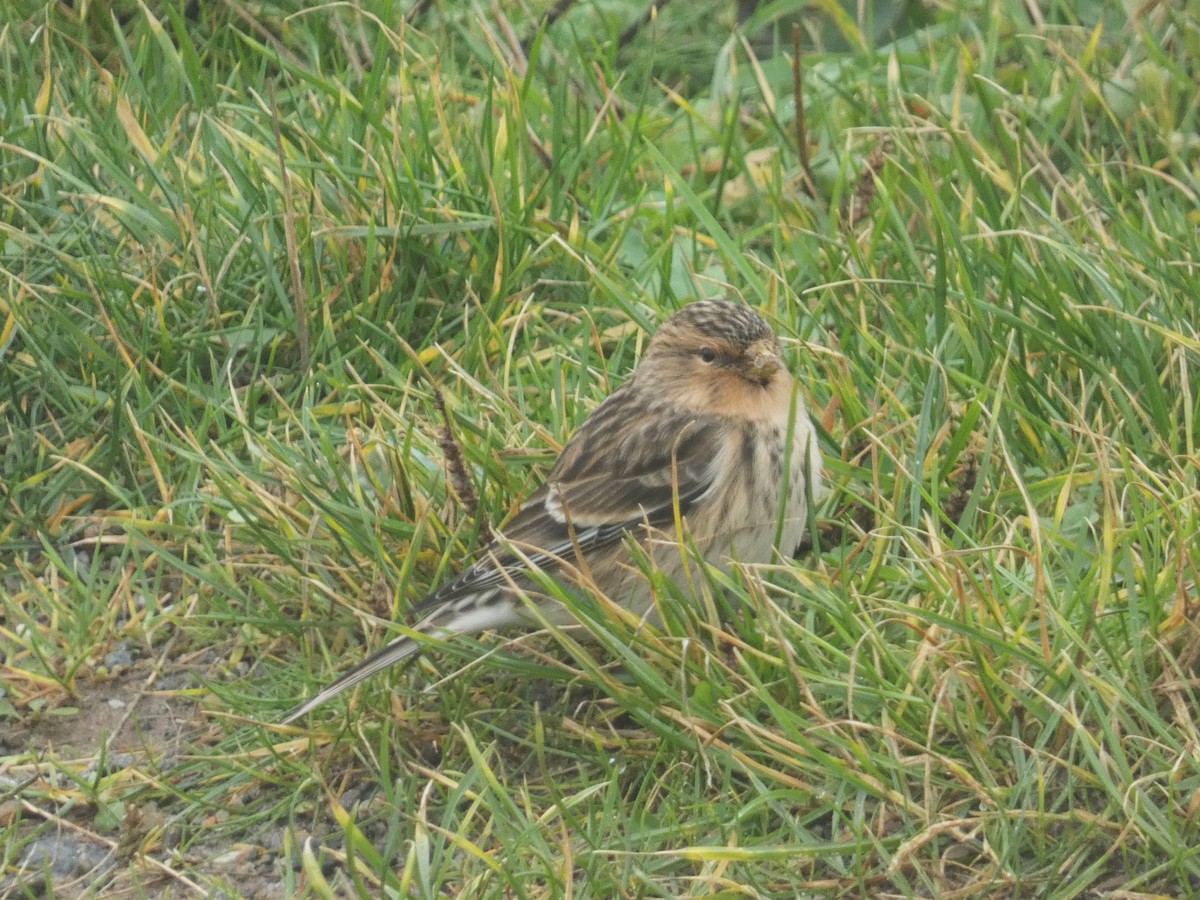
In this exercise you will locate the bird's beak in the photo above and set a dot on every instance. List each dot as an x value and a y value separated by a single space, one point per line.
761 361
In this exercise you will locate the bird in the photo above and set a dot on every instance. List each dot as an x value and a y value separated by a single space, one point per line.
708 434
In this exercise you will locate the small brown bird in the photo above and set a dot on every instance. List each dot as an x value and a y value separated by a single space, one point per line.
698 435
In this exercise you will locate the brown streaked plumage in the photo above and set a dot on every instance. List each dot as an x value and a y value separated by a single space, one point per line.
701 426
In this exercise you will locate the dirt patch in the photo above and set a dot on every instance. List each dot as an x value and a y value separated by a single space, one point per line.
69 775
118 715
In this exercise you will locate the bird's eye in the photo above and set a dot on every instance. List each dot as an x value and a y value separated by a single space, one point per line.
708 354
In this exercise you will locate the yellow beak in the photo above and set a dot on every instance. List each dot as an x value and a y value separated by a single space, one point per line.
761 361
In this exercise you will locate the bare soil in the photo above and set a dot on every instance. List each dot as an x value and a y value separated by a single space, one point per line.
119 731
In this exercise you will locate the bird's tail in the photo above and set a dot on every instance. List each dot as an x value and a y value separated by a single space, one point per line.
397 651
461 612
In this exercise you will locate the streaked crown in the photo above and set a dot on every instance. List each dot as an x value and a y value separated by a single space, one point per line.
719 320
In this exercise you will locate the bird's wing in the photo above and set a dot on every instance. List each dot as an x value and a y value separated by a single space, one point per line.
599 489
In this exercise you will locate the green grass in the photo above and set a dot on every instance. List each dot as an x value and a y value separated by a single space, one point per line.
241 253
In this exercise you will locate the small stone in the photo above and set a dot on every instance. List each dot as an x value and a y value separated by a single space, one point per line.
119 657
65 856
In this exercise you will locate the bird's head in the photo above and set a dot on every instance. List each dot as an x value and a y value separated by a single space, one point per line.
715 356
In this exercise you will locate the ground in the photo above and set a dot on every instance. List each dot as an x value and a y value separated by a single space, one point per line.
131 726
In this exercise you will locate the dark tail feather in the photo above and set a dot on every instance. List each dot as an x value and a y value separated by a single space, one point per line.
397 651
471 614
